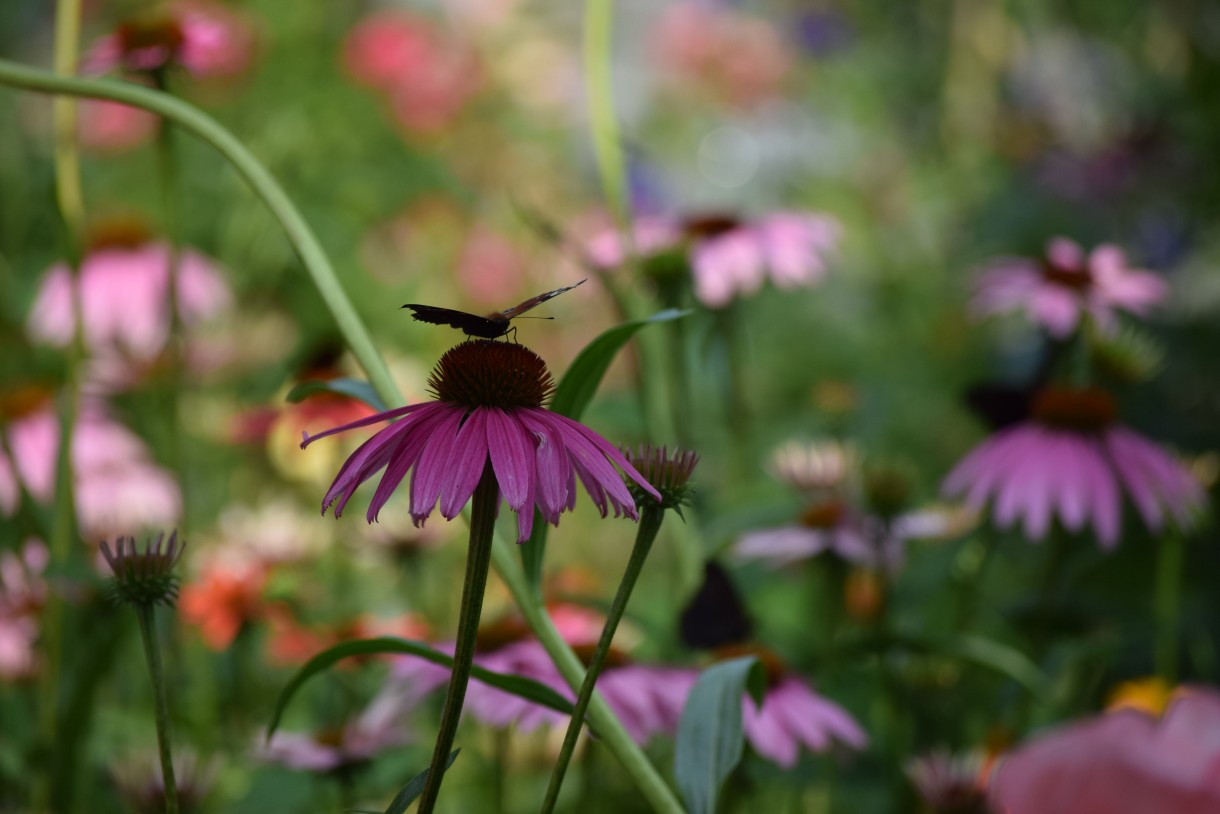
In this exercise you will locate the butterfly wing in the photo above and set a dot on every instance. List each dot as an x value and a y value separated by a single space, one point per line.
532 302
470 324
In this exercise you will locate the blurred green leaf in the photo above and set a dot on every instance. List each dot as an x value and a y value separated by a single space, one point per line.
408 793
526 688
710 736
352 388
978 650
572 396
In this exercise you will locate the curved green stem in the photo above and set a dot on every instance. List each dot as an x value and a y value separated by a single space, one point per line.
256 175
148 634
608 726
478 558
650 524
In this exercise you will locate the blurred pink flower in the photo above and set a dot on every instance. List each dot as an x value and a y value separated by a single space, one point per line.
853 537
730 257
1073 461
1125 762
488 410
736 58
490 268
951 784
118 487
380 727
428 75
124 293
793 716
1055 291
110 127
207 39
23 592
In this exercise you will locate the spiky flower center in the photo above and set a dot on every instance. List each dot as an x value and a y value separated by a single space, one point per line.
488 373
668 474
825 515
144 577
118 233
161 33
494 635
1088 409
22 401
614 656
711 225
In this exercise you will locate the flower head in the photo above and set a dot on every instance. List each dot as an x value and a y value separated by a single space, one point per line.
205 38
1124 762
1073 461
668 474
488 412
951 784
1057 290
144 577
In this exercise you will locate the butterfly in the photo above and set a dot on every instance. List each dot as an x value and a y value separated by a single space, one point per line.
492 326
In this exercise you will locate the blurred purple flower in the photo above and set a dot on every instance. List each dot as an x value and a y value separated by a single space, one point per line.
793 716
124 295
1125 762
951 784
488 412
118 487
1072 461
1056 291
207 39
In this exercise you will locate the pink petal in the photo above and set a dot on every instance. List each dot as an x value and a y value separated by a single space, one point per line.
467 464
512 456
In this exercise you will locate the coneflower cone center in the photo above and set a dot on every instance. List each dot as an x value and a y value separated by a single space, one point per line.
1077 278
151 32
489 373
710 225
1085 409
824 515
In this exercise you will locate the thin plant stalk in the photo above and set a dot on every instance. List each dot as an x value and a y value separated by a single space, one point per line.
650 523
152 653
1168 599
478 559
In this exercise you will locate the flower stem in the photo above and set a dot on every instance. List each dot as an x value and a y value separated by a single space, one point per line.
608 726
478 559
1169 604
148 634
302 238
607 144
650 524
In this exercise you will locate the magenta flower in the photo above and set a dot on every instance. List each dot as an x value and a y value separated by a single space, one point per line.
111 127
1072 461
124 291
488 412
793 716
118 487
1054 292
1125 762
207 39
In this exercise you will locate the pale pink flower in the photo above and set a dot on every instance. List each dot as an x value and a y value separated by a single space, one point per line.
124 292
111 127
650 234
380 727
851 536
1073 462
738 59
23 592
489 410
118 487
207 39
793 716
1125 762
490 267
951 784
1054 292
428 75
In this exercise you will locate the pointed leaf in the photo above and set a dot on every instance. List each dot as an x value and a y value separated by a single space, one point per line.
525 688
352 388
710 735
415 787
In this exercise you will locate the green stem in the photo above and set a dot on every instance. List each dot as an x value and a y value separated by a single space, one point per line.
148 634
1168 600
650 524
265 186
599 90
608 727
482 532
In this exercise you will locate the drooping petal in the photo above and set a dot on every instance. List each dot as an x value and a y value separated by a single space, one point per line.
467 464
512 456
553 467
615 486
377 418
414 435
433 464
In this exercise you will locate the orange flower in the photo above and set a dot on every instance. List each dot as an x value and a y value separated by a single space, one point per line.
222 600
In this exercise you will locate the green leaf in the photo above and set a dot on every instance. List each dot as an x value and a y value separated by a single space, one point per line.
572 396
578 385
978 650
415 787
352 388
710 736
525 688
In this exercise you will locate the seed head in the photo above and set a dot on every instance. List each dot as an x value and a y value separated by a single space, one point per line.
145 577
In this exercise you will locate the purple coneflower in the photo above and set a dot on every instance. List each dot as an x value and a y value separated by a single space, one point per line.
1073 461
488 408
1056 290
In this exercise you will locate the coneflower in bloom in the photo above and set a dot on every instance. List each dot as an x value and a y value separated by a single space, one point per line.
207 39
1057 290
1072 461
488 412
